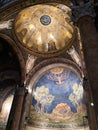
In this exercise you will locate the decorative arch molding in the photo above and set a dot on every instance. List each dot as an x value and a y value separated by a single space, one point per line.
17 53
53 61
7 12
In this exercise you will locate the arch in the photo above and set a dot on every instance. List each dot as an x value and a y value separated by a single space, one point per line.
43 80
49 62
18 53
6 108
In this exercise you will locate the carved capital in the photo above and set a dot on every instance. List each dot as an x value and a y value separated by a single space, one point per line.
83 10
20 91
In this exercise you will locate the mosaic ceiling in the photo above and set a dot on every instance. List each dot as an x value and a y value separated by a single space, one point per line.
58 101
44 30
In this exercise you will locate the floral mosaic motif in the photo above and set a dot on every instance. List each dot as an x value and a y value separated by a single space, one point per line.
77 94
43 97
58 105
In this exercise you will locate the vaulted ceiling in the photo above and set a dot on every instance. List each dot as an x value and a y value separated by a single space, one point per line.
6 3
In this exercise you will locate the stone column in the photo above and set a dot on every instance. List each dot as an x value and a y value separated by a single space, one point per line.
16 111
96 2
84 17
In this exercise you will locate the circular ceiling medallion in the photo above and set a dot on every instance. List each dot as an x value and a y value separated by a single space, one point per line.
44 30
45 20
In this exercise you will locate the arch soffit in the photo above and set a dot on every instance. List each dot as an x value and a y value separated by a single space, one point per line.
18 53
44 66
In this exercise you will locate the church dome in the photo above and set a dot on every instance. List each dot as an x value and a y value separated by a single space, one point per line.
44 30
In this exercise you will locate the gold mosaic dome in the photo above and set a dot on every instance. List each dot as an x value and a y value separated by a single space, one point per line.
44 30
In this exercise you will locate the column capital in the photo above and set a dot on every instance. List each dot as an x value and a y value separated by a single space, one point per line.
21 91
83 10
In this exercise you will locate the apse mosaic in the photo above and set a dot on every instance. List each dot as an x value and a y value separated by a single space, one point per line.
59 101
